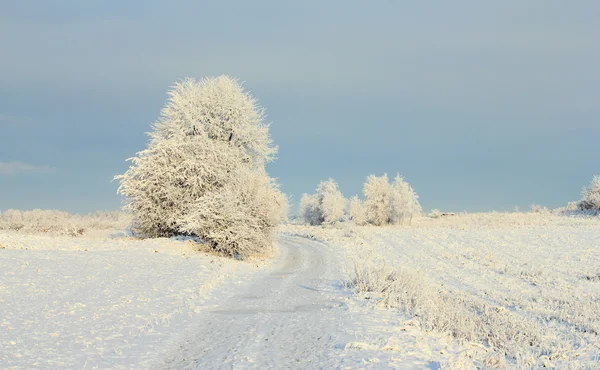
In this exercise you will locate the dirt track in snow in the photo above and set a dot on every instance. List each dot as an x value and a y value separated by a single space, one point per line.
292 317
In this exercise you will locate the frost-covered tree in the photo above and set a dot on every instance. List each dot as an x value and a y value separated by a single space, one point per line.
591 195
405 201
238 219
390 203
378 197
210 140
331 201
357 211
309 209
324 207
219 109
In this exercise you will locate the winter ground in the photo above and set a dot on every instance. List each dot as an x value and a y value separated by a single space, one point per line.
534 278
107 302
116 302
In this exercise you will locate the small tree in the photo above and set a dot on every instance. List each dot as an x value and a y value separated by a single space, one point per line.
309 209
386 203
331 200
357 211
591 195
405 201
324 207
378 194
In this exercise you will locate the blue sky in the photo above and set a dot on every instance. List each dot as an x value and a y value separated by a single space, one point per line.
480 105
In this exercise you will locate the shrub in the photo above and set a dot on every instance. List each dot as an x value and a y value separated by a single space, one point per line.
309 209
378 195
357 211
331 200
61 223
239 219
390 203
435 213
591 195
536 208
210 142
324 207
404 203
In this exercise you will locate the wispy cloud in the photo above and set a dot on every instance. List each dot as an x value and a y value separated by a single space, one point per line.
15 168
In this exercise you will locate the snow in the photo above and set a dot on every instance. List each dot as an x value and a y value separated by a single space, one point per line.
540 272
99 302
297 316
112 301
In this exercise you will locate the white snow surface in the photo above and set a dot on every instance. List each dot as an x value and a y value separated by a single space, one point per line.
118 302
541 271
100 302
125 303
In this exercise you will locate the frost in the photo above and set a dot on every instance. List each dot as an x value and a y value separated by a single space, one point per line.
324 207
591 195
390 203
203 172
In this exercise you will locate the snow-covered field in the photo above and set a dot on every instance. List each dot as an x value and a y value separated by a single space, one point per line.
528 285
487 290
107 302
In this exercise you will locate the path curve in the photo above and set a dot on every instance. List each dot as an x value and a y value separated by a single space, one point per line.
289 317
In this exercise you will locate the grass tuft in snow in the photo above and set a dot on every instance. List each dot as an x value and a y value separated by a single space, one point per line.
61 223
502 334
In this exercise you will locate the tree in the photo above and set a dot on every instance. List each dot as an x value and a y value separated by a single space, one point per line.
238 219
309 209
209 142
405 201
591 195
378 195
390 203
357 211
324 207
331 200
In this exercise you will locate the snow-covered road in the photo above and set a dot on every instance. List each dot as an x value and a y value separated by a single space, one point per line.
292 317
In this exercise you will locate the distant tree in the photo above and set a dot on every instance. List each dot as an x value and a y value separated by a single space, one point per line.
378 198
435 213
324 207
209 142
357 211
591 195
331 200
309 209
405 201
390 203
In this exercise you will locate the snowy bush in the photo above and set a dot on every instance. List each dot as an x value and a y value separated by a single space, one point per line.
331 200
572 206
357 211
536 208
324 207
435 213
61 223
404 203
591 195
209 143
390 203
239 218
378 195
309 209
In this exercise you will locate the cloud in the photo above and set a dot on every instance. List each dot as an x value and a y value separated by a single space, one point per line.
15 168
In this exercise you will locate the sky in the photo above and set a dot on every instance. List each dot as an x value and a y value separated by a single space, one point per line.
480 105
